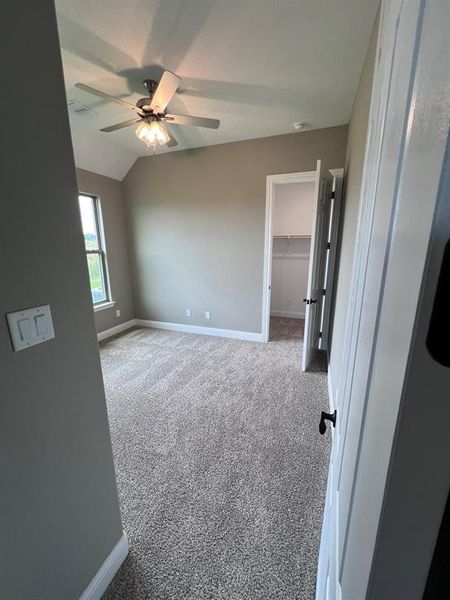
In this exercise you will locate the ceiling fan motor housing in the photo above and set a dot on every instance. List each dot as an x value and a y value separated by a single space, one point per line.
151 86
143 102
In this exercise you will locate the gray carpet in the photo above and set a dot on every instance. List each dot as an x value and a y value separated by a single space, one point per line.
221 470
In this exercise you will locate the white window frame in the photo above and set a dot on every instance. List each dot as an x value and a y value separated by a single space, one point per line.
98 215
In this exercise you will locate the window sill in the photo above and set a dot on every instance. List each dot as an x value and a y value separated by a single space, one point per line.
104 305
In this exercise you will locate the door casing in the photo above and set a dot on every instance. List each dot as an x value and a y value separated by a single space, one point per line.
404 153
271 182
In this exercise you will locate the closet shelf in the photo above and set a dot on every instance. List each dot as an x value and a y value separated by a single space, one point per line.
291 255
294 236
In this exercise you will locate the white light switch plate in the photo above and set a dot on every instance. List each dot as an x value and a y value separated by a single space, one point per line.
30 326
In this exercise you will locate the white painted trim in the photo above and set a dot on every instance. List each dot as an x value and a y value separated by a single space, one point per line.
338 173
298 177
310 328
102 335
267 274
330 390
382 317
109 568
101 233
104 305
287 314
249 336
271 181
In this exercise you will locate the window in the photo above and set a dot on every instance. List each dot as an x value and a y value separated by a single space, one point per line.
95 248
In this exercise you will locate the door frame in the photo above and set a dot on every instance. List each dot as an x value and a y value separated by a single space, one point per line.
390 394
330 577
271 182
413 195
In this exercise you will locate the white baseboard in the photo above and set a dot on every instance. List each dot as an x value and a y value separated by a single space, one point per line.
109 568
288 314
226 333
115 330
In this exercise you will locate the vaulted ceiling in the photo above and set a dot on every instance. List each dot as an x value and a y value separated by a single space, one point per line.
257 65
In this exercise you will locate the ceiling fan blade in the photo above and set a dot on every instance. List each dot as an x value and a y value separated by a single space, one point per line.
120 125
91 90
195 121
172 142
164 92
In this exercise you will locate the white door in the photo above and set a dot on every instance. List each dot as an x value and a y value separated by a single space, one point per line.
385 286
314 294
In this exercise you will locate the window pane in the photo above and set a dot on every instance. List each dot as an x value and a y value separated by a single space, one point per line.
98 287
88 222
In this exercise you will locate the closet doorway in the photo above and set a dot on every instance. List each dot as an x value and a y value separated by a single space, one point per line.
301 219
291 246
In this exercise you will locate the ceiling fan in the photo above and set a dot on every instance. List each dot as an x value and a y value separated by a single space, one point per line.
151 112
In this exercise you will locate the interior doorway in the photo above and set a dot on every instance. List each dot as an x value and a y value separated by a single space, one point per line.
302 212
291 247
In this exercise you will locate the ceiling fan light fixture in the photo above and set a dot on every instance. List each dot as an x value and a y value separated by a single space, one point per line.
152 134
149 112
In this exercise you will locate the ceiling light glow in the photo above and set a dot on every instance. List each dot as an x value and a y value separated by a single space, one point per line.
152 134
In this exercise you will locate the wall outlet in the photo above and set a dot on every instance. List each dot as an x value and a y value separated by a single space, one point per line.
118 312
188 312
207 315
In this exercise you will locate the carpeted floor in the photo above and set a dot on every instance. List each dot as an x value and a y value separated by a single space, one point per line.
220 466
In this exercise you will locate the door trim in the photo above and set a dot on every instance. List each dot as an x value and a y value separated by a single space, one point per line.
271 182
404 218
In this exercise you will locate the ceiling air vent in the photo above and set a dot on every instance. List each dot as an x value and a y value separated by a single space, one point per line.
80 110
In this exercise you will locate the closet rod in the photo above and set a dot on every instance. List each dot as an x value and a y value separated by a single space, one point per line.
291 236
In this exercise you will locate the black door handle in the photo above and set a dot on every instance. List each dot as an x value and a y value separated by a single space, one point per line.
437 341
326 417
309 300
306 300
312 301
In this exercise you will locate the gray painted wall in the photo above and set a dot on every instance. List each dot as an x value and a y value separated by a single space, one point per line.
354 161
196 222
113 210
59 509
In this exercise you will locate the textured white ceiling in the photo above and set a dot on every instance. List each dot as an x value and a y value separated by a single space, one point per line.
257 65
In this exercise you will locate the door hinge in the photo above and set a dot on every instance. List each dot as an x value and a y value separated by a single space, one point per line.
320 335
328 245
333 195
324 292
